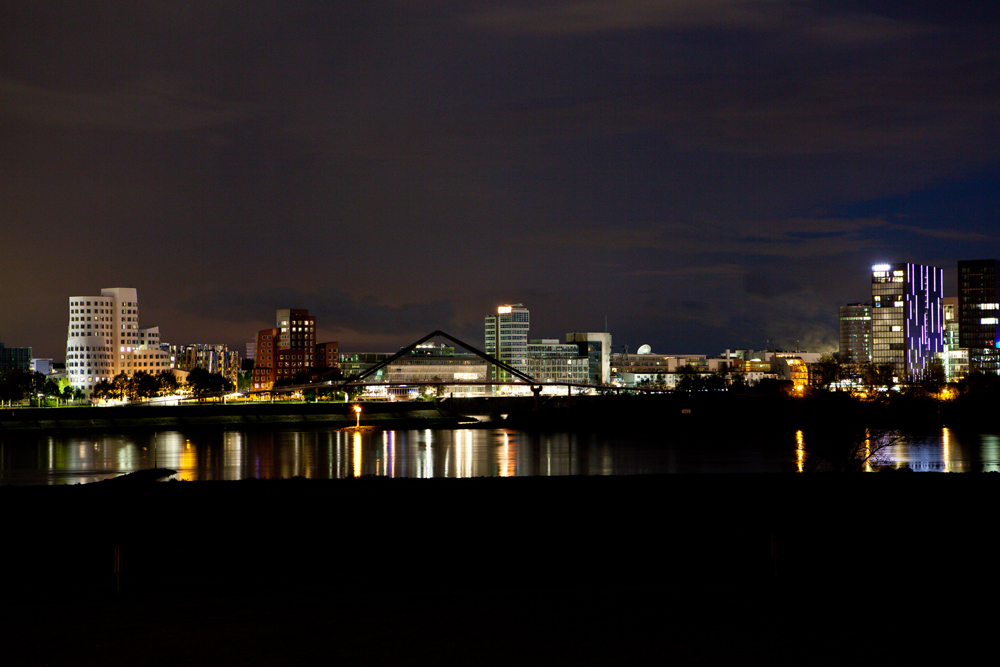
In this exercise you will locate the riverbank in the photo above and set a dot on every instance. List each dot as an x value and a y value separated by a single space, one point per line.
685 569
247 416
700 412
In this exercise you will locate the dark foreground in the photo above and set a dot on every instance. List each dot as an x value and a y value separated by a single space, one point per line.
722 569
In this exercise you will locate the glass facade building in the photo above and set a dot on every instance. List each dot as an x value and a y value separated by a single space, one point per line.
507 339
14 358
978 313
906 317
597 347
856 333
955 357
551 361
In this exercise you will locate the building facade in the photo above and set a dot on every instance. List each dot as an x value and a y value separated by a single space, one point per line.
431 368
548 360
289 348
14 359
855 333
653 365
954 357
328 355
507 339
213 358
597 347
906 317
104 339
265 366
979 313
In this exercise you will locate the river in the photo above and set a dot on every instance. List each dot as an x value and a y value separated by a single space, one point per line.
33 458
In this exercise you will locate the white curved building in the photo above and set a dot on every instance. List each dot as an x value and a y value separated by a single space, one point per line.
104 339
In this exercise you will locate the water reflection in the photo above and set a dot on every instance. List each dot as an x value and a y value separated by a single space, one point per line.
329 454
947 451
800 451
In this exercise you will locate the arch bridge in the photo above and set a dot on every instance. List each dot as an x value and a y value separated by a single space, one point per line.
361 379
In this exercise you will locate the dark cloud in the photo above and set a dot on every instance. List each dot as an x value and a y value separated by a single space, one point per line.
336 312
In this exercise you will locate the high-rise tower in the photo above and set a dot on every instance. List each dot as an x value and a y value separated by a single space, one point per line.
906 317
290 348
954 356
507 338
856 333
978 313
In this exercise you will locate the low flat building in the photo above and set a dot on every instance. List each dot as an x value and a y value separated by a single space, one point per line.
548 360
649 364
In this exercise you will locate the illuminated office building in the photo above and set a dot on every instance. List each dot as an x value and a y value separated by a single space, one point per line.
212 358
855 333
290 348
14 359
978 313
597 346
955 357
507 338
906 317
549 360
104 339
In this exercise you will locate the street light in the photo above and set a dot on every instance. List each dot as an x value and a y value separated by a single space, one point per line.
357 412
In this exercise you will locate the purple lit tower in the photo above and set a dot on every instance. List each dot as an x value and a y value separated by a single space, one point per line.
906 317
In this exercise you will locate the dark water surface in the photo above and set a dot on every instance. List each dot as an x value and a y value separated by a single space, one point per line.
33 458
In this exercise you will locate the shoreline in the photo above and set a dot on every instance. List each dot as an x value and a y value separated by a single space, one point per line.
704 412
222 416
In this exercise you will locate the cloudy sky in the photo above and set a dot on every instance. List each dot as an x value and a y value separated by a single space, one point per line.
699 174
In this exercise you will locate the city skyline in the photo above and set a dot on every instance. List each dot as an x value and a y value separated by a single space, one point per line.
700 176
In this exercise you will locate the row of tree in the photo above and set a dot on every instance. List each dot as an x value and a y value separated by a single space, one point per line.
692 380
871 377
143 386
20 384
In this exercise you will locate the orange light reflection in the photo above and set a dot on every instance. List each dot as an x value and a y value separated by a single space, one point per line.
356 453
800 451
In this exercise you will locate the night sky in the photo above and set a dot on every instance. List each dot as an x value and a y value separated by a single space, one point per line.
701 174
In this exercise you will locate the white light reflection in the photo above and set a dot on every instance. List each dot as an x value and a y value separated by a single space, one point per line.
547 443
425 464
330 453
297 454
392 454
990 453
232 454
463 454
